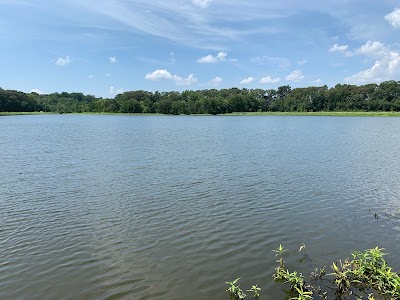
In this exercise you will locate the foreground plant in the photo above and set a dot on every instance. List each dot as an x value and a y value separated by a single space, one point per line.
254 289
235 292
365 276
298 288
369 270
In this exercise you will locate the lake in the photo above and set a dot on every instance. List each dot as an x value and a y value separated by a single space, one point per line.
171 207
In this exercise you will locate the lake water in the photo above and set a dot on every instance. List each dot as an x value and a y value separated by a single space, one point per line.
171 207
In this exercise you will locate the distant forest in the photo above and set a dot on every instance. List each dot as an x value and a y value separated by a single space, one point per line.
342 97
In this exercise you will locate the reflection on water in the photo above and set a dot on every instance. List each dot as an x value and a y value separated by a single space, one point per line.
162 207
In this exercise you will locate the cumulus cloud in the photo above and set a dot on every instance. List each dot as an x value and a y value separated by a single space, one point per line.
394 18
367 76
222 55
191 79
113 59
115 91
318 81
386 64
374 49
247 80
202 3
37 91
337 48
215 81
281 62
158 75
269 79
61 61
340 49
295 76
209 59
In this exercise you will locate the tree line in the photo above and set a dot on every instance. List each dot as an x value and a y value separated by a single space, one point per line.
343 97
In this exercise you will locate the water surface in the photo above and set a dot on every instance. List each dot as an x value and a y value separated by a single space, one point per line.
163 207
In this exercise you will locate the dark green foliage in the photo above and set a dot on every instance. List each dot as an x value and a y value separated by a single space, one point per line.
342 97
14 101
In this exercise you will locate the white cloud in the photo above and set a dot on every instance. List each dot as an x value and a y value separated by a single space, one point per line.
115 91
158 75
202 3
302 62
37 91
113 59
295 76
165 75
281 62
341 49
209 59
191 79
366 76
374 49
394 18
269 79
215 81
318 81
337 48
247 80
61 61
386 64
221 55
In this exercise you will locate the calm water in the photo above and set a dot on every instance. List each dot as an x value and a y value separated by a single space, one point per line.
162 207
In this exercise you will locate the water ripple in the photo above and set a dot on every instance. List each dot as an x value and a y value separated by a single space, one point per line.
122 207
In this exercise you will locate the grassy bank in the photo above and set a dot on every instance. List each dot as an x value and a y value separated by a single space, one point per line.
24 113
323 113
317 113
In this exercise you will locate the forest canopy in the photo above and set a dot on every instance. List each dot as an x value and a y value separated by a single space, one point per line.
343 97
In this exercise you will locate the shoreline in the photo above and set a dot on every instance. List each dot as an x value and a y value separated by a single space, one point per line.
267 113
322 114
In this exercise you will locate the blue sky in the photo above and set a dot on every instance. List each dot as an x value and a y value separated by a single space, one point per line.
104 47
